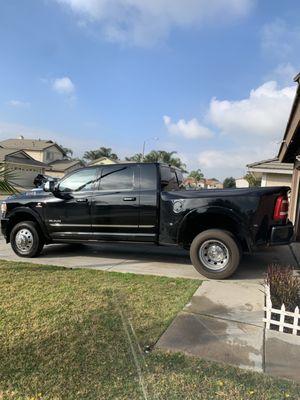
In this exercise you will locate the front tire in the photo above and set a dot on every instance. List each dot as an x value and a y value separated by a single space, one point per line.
215 254
26 239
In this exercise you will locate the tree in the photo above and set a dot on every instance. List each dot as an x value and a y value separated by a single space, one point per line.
136 158
159 156
252 180
165 157
67 151
101 152
229 182
81 161
196 174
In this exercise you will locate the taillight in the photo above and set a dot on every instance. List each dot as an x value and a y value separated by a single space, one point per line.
281 209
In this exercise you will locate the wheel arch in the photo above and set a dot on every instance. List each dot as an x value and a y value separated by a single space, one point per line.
25 214
203 219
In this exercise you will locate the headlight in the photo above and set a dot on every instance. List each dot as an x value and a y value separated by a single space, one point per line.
3 209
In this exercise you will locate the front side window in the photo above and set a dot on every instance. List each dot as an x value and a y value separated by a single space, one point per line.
117 178
82 180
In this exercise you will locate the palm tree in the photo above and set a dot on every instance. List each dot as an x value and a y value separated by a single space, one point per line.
6 175
136 158
67 151
197 175
101 152
165 157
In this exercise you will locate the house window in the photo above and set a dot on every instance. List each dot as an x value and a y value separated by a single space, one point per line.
49 156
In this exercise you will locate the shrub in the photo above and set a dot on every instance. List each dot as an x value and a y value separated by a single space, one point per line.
284 287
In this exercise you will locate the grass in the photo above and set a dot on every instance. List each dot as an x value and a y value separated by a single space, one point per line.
69 334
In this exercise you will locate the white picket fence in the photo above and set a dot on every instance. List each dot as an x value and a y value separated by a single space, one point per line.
270 312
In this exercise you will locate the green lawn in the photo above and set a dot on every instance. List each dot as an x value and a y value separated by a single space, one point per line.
80 334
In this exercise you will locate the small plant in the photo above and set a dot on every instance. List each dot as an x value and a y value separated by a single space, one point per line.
6 177
284 287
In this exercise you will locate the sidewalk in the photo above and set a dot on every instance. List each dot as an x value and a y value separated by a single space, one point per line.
223 323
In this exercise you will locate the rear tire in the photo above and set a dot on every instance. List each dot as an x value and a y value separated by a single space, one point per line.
26 239
215 254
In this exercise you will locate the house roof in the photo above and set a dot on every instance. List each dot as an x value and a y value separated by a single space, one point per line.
211 181
4 153
18 157
63 165
272 164
98 160
290 145
29 144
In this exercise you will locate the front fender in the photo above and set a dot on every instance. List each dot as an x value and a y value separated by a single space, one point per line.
26 210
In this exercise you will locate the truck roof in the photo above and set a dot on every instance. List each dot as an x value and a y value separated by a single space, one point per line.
134 163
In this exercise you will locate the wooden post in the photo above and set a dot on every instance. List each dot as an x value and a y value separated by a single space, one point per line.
296 321
282 316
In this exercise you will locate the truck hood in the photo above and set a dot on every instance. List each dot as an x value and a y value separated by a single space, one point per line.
33 195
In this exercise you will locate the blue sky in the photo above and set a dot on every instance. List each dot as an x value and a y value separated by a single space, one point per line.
212 80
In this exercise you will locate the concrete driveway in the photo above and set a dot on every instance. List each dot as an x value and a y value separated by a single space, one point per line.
146 259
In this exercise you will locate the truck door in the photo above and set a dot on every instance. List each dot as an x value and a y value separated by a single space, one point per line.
115 204
149 199
69 216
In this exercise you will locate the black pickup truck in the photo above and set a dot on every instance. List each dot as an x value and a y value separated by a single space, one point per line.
147 203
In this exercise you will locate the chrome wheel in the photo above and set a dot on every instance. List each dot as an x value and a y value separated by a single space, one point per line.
24 240
214 254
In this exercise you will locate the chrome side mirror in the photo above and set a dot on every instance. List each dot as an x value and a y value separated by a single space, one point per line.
49 186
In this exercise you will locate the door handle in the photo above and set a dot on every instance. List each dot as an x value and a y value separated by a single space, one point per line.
129 198
82 200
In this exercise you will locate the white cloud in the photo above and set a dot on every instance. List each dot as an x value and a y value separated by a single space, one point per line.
280 39
284 73
245 130
189 129
263 114
18 103
144 22
222 163
63 85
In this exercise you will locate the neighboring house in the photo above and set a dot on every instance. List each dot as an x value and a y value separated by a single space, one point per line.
25 167
59 168
44 151
203 183
104 161
55 161
289 152
241 183
108 161
213 184
272 172
190 182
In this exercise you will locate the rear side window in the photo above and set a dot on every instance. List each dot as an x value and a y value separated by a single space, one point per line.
179 178
117 178
148 177
168 179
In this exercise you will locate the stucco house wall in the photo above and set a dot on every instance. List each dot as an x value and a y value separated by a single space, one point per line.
271 179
